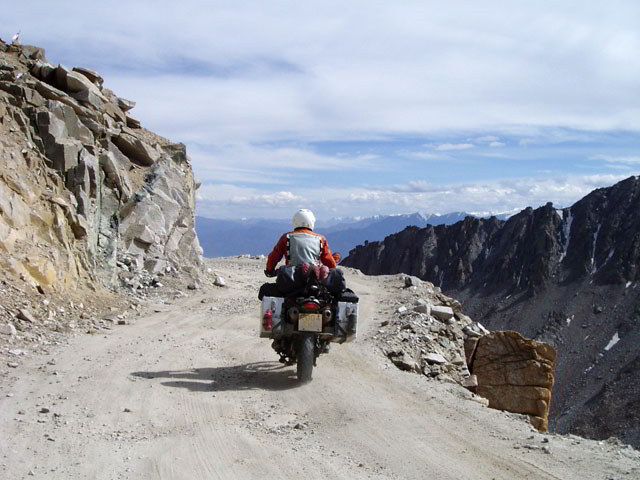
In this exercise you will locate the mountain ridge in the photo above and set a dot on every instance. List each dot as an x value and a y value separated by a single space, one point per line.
565 276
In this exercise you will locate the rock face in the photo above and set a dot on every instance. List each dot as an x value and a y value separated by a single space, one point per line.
569 277
514 374
85 200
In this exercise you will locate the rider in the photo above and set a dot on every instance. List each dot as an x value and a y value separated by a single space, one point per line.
302 245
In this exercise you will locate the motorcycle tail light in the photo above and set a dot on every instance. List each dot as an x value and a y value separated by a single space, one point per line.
311 306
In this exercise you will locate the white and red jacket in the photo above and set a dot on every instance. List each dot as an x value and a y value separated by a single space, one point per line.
301 246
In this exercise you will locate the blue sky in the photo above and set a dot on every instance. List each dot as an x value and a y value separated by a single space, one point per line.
359 108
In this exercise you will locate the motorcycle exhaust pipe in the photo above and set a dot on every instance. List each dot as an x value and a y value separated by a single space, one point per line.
326 316
294 314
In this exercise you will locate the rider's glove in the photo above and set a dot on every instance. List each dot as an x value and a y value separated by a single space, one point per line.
269 273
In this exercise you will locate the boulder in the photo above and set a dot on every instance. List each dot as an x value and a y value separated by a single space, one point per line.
435 358
7 329
515 374
113 111
136 150
470 382
133 123
411 281
113 163
80 87
91 75
442 313
70 81
125 105
61 122
404 361
142 233
63 135
89 97
422 306
24 314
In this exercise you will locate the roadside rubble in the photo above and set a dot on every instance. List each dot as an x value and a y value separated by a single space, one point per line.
428 334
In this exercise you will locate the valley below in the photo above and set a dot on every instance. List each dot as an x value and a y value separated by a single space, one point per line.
187 389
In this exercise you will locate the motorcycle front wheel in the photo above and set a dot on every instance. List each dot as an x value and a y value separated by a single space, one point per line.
305 353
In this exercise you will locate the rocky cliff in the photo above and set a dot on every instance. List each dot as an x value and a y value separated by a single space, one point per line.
88 198
568 277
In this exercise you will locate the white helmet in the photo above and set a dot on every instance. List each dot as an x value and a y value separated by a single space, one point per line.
304 218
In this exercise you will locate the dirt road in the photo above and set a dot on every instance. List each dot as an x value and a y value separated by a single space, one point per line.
190 392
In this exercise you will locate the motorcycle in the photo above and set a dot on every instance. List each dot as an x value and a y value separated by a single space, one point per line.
305 321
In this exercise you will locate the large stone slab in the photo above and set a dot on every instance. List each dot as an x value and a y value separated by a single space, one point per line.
136 150
63 135
84 176
63 155
514 374
91 75
441 312
61 122
89 97
113 163
70 81
125 105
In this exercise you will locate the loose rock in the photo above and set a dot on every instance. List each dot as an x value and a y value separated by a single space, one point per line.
435 358
24 314
7 329
441 313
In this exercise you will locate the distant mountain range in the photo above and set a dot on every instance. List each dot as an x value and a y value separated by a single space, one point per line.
570 277
223 238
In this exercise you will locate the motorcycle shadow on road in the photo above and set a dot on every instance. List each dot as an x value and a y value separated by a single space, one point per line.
248 376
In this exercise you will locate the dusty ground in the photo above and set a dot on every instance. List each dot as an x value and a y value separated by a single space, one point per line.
189 391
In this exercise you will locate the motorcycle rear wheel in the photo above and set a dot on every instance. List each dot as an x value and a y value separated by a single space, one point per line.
305 355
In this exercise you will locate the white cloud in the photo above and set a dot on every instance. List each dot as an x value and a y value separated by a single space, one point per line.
252 72
445 147
232 201
496 197
260 164
277 199
487 139
421 155
621 160
254 87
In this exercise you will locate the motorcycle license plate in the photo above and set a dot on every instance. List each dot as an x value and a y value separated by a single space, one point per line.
310 322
